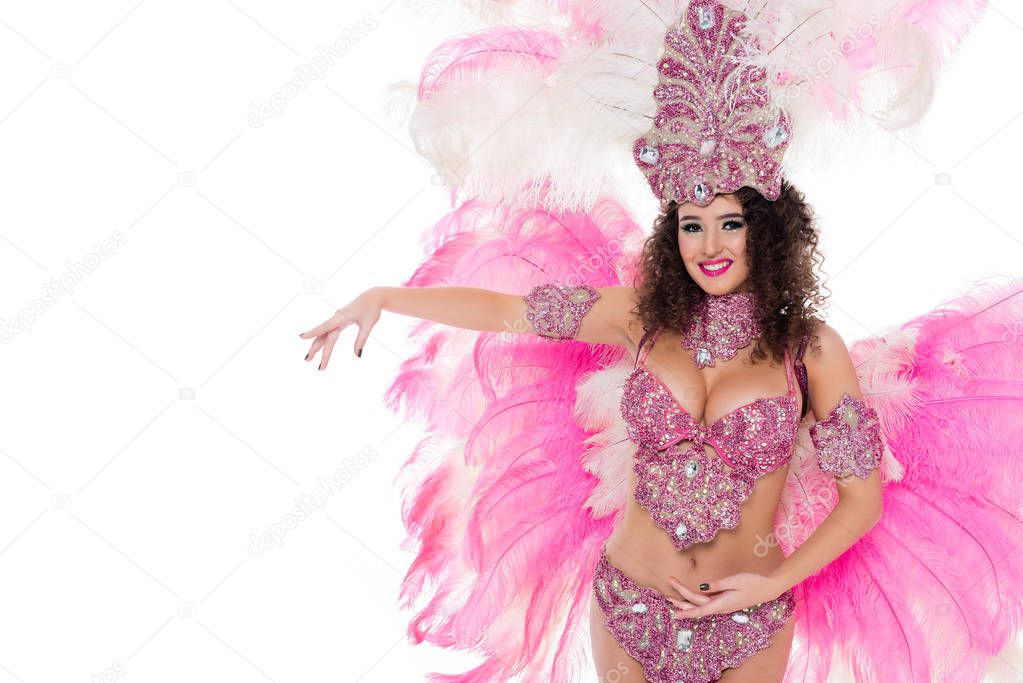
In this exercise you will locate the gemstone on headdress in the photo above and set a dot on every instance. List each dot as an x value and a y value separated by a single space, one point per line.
639 607
648 155
706 19
707 147
740 617
701 192
684 639
775 135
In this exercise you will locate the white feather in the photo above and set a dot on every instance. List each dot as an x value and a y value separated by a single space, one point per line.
852 65
610 452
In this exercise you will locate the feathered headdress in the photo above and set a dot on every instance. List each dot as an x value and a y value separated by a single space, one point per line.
545 110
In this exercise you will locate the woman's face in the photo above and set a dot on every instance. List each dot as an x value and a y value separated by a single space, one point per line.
712 242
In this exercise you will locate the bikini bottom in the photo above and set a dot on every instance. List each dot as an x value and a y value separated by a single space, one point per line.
682 650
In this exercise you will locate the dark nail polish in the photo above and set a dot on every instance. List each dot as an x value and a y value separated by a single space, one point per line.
321 366
359 353
307 356
704 586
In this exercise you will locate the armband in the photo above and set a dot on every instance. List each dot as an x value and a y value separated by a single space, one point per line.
848 440
555 310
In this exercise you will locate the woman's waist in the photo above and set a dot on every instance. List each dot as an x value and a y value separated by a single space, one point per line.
646 552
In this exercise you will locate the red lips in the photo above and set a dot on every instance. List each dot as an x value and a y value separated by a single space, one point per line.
717 271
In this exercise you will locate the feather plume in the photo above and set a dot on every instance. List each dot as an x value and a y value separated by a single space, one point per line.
542 107
931 592
495 497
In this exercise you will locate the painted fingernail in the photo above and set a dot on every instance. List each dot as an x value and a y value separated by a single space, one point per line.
321 366
359 353
307 356
704 586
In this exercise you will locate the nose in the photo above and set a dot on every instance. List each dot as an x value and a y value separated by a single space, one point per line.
711 242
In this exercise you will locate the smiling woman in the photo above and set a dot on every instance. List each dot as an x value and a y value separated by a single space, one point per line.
664 434
770 247
709 246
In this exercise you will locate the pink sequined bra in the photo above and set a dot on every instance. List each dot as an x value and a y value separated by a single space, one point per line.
689 492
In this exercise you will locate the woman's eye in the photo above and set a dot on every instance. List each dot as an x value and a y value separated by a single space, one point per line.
693 227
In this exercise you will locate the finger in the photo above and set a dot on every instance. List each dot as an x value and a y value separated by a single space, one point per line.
328 347
315 346
681 604
361 337
712 606
319 330
690 595
337 321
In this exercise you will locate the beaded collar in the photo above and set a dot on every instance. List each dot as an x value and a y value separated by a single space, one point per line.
721 325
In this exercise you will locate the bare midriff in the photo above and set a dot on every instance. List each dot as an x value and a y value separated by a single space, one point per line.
642 549
646 553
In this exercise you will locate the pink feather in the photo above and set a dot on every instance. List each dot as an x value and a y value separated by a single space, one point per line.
479 55
932 592
946 22
504 544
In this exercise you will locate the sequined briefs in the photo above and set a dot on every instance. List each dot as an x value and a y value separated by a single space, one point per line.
682 650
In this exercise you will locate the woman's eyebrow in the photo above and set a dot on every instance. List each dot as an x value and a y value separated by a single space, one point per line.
724 215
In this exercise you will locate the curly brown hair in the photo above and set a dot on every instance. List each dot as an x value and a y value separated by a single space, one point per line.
782 249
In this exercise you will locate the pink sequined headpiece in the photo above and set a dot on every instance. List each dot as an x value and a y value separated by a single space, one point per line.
715 129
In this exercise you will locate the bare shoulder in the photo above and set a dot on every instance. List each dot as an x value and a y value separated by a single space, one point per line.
828 363
826 344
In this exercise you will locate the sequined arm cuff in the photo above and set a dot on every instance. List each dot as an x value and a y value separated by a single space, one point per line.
848 440
555 310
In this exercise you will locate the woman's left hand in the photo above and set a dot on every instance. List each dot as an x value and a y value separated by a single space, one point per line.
731 593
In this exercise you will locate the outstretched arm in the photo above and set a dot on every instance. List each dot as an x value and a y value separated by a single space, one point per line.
601 317
600 320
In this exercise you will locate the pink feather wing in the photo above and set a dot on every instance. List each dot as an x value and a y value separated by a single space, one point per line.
495 496
935 590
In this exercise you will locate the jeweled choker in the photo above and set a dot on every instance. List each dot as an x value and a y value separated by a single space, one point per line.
721 325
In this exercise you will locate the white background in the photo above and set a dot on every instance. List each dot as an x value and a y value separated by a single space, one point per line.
157 412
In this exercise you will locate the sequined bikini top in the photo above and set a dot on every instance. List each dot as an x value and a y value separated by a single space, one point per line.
689 492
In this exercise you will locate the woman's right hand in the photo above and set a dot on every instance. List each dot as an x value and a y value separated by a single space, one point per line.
364 311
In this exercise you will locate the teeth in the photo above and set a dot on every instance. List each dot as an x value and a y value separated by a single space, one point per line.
717 266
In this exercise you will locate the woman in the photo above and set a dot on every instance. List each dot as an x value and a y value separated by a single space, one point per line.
730 536
739 243
763 253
